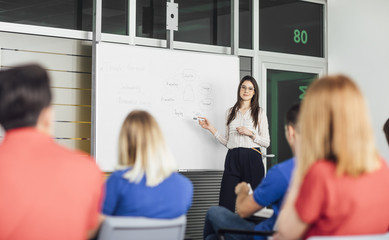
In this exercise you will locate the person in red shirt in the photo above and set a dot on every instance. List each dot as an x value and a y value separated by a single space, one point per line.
340 186
46 190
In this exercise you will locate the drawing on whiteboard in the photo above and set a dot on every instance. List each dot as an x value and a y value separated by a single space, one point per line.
206 104
172 84
167 99
189 75
205 88
178 113
127 101
133 88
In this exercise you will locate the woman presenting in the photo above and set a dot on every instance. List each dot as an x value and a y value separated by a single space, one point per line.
246 131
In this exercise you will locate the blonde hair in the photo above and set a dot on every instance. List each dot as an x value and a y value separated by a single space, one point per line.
142 146
334 125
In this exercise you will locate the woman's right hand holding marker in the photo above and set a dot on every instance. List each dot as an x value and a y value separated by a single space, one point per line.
204 123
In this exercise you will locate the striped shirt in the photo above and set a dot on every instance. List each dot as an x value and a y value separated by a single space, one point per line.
232 139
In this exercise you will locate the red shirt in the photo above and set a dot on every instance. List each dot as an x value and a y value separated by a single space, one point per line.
46 190
344 205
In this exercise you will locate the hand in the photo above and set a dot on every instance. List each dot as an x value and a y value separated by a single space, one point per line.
204 123
244 131
242 188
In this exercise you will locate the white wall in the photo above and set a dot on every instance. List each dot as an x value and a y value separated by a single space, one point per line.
358 45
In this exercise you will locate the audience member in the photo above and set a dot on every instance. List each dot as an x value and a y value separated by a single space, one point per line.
340 186
386 130
271 191
47 191
149 185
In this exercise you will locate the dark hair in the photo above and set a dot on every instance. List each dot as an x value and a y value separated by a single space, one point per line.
254 102
386 130
292 115
24 92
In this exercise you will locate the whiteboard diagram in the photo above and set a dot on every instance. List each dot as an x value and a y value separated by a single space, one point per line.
174 86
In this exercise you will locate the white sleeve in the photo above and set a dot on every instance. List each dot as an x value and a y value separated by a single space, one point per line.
224 139
262 136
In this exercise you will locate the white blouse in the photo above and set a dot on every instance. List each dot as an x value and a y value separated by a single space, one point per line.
233 139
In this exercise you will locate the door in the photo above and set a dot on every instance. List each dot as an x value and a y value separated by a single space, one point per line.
285 86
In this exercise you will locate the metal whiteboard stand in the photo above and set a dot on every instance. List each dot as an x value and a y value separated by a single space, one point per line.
171 22
96 38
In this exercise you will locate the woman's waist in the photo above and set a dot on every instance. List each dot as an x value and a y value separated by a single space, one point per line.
232 145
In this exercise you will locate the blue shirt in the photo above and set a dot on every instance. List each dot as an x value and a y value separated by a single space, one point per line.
171 198
272 191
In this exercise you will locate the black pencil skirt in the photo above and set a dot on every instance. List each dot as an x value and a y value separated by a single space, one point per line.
241 164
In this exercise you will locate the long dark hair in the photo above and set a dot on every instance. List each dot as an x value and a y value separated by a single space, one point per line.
254 105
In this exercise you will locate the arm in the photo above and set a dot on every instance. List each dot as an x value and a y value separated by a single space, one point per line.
204 123
112 194
93 232
271 191
305 202
245 203
289 224
262 136
95 215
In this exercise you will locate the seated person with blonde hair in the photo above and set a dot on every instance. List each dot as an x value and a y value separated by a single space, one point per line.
340 186
148 186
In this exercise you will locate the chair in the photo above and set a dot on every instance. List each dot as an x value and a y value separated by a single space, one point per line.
384 236
126 228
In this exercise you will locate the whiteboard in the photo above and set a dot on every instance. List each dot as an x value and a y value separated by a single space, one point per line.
174 86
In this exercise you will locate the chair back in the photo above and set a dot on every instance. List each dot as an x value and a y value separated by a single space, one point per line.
353 237
126 228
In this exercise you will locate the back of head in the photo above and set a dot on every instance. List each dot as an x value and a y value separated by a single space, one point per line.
386 130
142 146
334 125
292 115
24 92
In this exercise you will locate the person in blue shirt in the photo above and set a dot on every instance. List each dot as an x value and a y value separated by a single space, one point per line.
149 185
271 191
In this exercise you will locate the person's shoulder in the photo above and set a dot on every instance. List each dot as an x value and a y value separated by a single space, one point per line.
384 165
323 164
281 171
116 177
118 173
181 178
79 157
78 160
286 165
322 168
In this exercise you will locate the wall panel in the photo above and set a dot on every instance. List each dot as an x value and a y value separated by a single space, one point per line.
69 66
